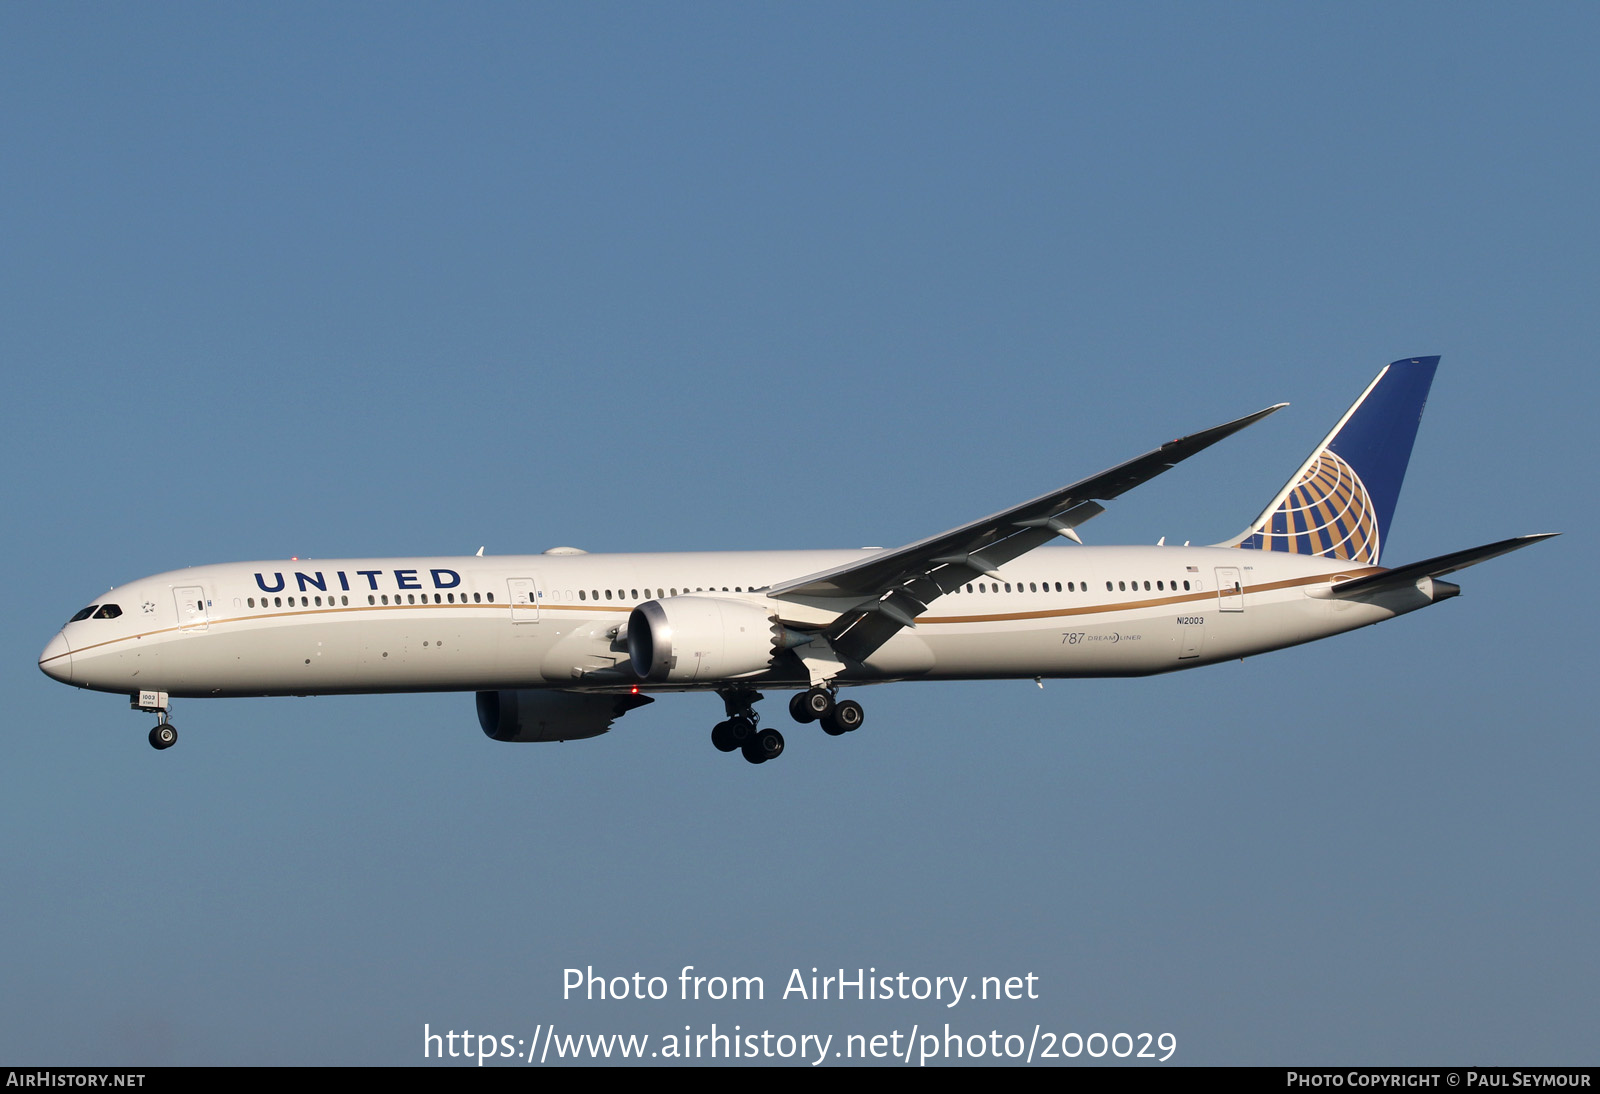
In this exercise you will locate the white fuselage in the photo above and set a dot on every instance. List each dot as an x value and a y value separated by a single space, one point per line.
552 621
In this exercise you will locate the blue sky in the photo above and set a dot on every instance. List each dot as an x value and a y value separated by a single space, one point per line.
375 279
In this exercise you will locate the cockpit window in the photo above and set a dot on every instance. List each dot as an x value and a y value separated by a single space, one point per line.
108 611
85 614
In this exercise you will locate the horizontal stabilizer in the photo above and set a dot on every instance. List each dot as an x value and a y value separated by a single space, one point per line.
1435 567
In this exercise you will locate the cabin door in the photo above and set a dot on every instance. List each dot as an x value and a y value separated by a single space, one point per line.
192 615
525 597
1230 589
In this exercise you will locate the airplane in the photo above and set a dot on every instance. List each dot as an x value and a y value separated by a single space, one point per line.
558 646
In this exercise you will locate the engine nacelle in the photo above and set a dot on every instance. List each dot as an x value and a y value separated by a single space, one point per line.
697 638
527 715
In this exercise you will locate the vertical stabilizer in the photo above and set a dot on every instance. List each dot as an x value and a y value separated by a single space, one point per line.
1339 504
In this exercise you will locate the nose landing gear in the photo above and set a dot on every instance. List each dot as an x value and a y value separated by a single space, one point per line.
163 736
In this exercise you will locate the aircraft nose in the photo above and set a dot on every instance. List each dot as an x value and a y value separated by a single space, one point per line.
56 660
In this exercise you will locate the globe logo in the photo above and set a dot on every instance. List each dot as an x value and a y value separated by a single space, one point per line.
1326 512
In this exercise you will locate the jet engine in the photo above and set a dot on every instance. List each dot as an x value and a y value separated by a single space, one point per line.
697 638
527 715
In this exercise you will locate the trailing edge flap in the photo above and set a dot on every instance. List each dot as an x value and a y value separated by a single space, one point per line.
1402 576
891 588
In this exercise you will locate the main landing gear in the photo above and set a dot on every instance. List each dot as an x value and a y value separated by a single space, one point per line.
819 705
742 731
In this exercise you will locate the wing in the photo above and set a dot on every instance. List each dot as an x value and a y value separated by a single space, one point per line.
889 589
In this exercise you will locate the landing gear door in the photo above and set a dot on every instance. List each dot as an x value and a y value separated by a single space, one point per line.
524 599
1191 636
1230 589
192 614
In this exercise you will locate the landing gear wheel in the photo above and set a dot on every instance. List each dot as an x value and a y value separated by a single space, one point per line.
766 744
163 736
731 734
809 706
847 717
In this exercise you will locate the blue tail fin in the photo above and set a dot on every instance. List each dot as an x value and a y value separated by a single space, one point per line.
1340 502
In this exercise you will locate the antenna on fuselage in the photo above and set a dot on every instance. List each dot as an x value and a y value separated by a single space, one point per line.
480 552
